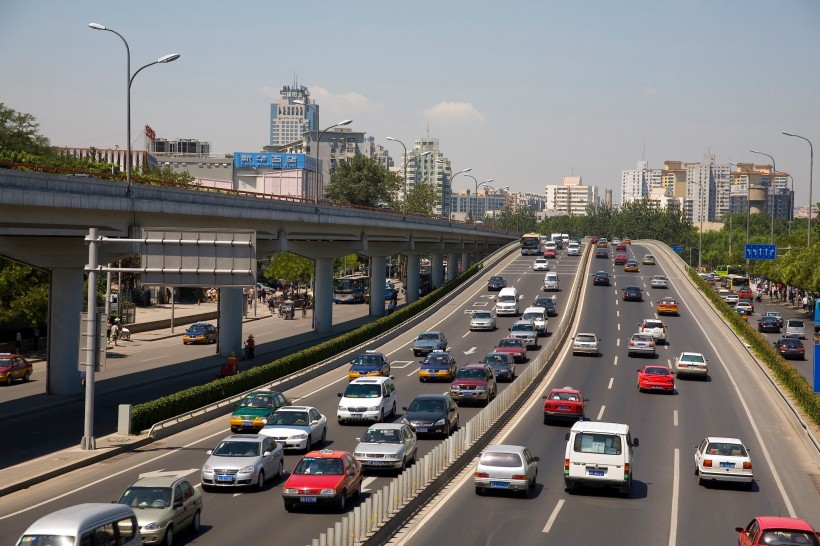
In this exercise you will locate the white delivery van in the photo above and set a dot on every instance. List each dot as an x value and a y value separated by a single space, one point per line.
506 303
89 523
599 455
538 316
551 282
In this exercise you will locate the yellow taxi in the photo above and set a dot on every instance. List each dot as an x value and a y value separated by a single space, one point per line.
14 367
626 241
369 363
254 410
631 265
438 365
667 306
200 332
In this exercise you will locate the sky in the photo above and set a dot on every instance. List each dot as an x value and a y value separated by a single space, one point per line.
523 92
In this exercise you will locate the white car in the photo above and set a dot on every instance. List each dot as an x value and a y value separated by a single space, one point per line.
723 459
525 331
386 445
482 320
731 299
506 467
541 264
655 327
659 281
586 343
296 427
746 306
538 316
688 363
641 344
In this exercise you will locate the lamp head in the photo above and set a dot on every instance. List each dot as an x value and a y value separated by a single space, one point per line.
168 58
788 134
345 122
390 138
299 101
97 26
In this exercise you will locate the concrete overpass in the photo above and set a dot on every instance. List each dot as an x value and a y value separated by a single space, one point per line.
45 219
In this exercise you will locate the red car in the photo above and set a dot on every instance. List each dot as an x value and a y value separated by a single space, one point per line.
777 530
549 253
745 292
513 346
620 259
620 247
564 404
324 477
656 378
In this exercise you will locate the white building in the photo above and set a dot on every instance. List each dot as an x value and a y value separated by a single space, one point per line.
707 190
570 197
288 121
429 168
637 183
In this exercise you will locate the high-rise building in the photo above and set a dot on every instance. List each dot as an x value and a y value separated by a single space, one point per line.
432 168
288 121
570 197
637 183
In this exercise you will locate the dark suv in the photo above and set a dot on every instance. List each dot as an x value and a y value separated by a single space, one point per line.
633 293
547 303
474 382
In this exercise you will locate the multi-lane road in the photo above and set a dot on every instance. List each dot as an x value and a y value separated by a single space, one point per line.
666 505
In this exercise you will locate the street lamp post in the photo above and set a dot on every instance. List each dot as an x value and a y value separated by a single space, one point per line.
318 142
130 79
404 199
700 231
771 186
811 171
308 105
475 194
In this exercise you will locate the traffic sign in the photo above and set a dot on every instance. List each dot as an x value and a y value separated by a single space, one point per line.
678 248
761 252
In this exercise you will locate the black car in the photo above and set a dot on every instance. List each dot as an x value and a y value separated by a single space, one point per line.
789 347
601 279
502 364
432 414
496 283
633 293
602 253
547 303
768 323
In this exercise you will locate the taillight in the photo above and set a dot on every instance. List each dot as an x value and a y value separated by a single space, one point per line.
519 477
747 465
707 462
481 475
626 470
631 343
566 465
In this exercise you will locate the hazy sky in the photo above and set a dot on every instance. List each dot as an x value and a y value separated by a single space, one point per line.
522 92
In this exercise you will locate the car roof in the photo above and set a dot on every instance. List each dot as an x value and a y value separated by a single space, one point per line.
657 366
437 396
584 334
504 448
78 517
723 439
290 408
326 454
566 389
474 366
164 478
534 309
632 288
782 522
386 426
369 380
600 426
691 353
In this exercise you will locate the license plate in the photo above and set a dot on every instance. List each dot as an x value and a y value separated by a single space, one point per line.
599 473
376 463
693 365
224 478
466 394
563 407
357 415
500 485
421 429
247 423
727 465
657 388
307 499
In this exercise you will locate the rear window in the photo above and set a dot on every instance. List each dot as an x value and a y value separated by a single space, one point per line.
795 324
507 460
591 442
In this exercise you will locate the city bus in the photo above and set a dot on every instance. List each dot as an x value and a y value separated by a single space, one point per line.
350 288
723 270
530 244
734 282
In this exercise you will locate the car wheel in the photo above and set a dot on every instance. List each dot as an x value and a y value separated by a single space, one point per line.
624 490
280 471
26 377
479 490
234 429
403 466
381 418
324 437
8 380
748 486
196 523
447 430
288 506
341 505
169 536
309 443
260 480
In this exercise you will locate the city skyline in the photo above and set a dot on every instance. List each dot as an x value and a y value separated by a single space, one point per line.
525 95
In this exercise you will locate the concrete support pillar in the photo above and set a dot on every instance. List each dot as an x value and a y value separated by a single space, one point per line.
466 261
452 266
231 310
413 271
66 300
437 272
378 275
323 296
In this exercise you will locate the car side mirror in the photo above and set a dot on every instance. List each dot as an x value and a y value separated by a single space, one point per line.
358 439
209 452
266 454
509 329
404 408
635 442
543 397
177 505
339 394
536 459
567 437
314 422
739 529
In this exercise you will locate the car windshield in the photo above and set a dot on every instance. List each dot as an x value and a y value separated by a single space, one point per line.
147 497
632 289
583 338
381 436
495 358
497 458
363 391
197 329
652 324
787 537
237 449
427 405
496 279
591 442
510 343
252 401
522 327
483 315
697 359
428 337
533 316
668 301
726 449
468 373
436 361
367 361
566 396
795 324
655 370
298 418
319 466
509 298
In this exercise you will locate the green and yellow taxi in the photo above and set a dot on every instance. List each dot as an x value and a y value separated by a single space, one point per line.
254 410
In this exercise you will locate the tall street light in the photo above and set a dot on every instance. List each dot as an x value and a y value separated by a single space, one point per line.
318 142
811 170
771 186
475 193
130 79
404 197
316 110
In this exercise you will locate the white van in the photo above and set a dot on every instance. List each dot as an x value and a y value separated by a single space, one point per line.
551 282
538 316
89 523
367 399
506 303
599 455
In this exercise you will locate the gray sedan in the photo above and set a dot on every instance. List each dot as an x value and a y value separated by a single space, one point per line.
482 320
243 459
386 446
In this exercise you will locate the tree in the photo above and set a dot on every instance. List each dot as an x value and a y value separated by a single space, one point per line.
18 135
23 295
422 199
290 267
362 181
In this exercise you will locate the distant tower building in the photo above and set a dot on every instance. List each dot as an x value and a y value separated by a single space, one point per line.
608 198
570 197
637 183
288 121
432 168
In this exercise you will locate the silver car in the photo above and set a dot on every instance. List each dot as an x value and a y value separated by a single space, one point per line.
525 330
482 320
586 343
795 328
386 445
243 459
641 344
659 281
296 427
688 363
506 468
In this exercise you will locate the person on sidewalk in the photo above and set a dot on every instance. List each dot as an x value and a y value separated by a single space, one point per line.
115 333
304 307
249 347
18 343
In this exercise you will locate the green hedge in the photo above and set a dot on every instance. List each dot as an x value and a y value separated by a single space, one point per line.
146 414
783 371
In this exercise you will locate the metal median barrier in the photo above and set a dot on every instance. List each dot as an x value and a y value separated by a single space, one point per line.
396 502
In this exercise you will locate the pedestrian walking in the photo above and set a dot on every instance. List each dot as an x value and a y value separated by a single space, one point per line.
115 333
18 343
304 308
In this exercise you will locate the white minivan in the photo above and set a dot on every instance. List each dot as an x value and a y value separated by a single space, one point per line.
551 282
89 523
599 455
506 303
367 399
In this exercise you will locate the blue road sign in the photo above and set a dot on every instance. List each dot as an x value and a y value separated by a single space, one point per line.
761 252
678 248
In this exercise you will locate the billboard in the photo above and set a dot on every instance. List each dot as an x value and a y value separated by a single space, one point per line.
266 160
739 190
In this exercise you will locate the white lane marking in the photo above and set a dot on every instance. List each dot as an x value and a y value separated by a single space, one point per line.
552 517
617 313
601 413
673 522
414 372
611 379
619 326
669 363
675 417
470 351
155 358
618 342
366 482
616 302
466 334
616 360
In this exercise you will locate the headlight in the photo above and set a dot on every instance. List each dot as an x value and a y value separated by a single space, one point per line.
358 455
207 468
373 408
153 526
246 469
290 490
342 408
264 420
439 423
405 421
328 491
300 436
